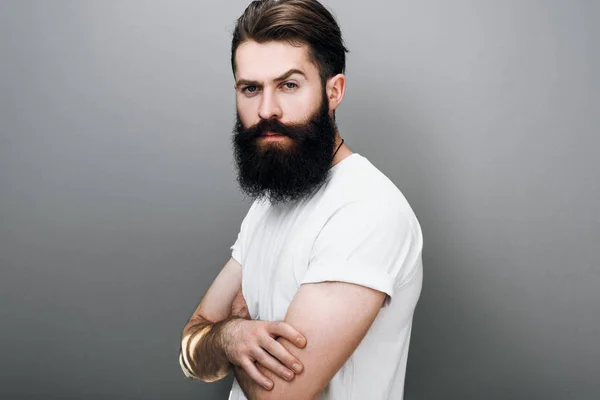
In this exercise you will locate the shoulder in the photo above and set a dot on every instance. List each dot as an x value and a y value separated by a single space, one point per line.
357 188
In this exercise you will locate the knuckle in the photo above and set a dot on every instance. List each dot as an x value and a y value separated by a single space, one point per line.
263 357
249 366
244 350
264 360
252 351
287 359
276 325
289 362
238 357
257 330
269 345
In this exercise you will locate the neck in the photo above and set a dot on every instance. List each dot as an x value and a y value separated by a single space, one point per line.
342 152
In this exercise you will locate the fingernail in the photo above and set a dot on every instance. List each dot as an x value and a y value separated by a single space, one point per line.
268 385
297 368
288 374
300 341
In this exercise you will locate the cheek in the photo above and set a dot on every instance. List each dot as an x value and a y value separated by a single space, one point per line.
247 112
298 108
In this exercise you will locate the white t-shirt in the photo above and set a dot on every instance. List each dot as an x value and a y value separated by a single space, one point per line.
356 228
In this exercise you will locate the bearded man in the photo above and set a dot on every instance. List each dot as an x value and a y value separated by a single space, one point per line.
318 297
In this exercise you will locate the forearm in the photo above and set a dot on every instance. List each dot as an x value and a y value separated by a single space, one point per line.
249 386
281 389
202 350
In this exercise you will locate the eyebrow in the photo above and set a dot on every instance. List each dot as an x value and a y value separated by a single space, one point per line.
280 78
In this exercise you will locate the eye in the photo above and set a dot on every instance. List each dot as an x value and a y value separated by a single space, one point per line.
249 89
290 85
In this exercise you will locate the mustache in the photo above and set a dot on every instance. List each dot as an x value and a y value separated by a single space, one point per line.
274 126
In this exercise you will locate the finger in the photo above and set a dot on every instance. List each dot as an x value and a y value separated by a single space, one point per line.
270 363
282 354
287 332
253 372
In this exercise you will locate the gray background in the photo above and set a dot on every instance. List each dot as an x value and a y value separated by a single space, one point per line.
118 202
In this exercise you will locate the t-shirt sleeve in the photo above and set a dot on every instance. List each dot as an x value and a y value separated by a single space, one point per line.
366 242
237 249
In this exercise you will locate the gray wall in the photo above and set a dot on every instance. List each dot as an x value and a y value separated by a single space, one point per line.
118 202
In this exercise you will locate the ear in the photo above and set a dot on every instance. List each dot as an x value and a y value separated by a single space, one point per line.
336 87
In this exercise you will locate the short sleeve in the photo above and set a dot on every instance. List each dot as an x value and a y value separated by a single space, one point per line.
237 249
367 242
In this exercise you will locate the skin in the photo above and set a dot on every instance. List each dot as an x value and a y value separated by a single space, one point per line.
222 334
278 80
334 317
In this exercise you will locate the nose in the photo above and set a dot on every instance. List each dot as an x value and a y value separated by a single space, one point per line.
269 106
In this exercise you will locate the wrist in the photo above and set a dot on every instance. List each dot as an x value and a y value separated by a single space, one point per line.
226 335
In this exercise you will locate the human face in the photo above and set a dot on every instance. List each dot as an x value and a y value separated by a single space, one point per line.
284 161
275 80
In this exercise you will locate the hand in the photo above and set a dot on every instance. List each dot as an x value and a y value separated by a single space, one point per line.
246 342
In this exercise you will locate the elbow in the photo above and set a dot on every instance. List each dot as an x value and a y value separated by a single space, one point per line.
211 379
208 376
194 373
205 378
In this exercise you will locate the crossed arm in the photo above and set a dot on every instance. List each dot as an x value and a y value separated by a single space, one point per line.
333 316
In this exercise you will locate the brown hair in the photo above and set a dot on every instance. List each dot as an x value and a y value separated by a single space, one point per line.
297 22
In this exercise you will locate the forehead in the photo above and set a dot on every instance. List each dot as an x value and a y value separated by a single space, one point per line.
266 61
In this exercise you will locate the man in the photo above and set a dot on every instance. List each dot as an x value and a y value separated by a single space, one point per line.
318 297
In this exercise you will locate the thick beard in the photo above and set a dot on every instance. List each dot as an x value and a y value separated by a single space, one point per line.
291 171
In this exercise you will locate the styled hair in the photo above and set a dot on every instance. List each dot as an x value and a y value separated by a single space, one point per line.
297 22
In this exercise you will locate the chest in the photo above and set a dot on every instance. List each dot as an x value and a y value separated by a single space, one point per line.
276 259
